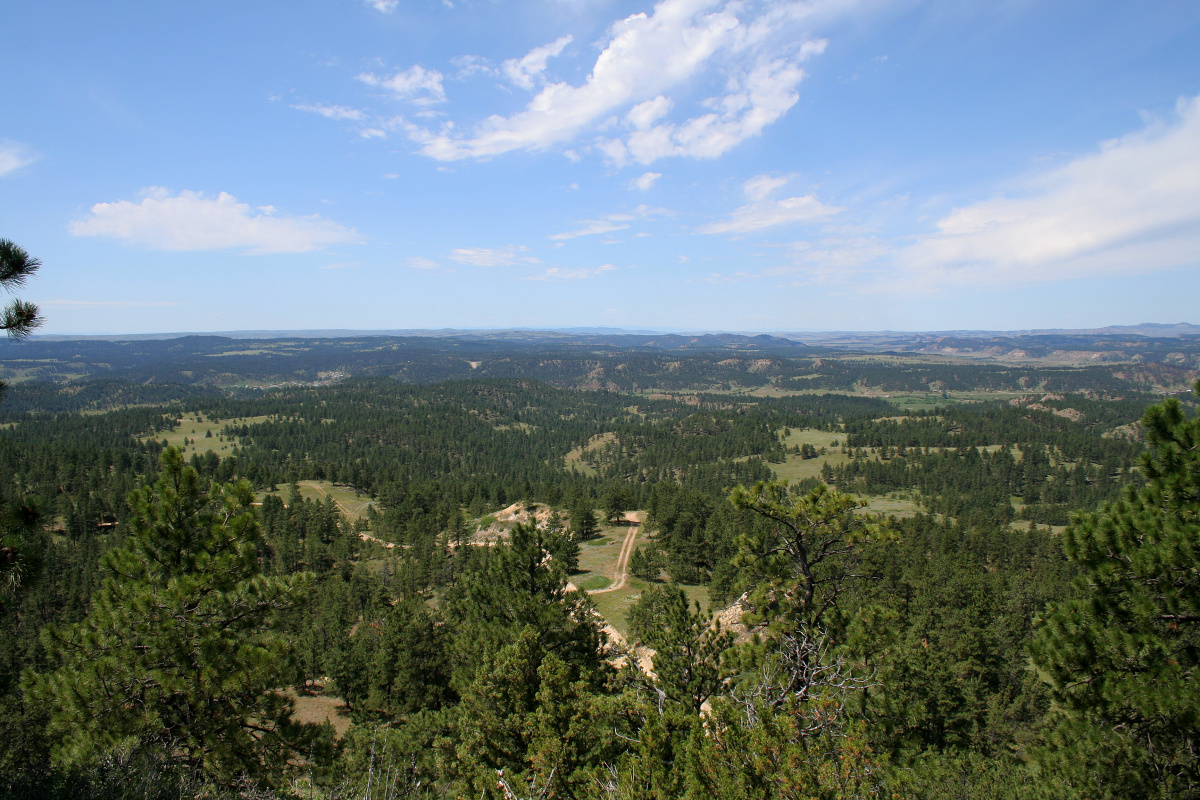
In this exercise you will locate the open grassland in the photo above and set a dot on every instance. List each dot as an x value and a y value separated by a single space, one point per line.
796 469
927 401
576 459
352 505
907 401
196 427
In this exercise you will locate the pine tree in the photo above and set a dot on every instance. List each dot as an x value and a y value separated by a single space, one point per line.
513 586
583 520
18 319
1122 659
178 657
688 647
807 559
18 558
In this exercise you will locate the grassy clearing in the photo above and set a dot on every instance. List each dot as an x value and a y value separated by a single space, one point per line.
196 432
891 506
926 401
599 555
575 459
614 606
593 582
797 469
353 506
320 707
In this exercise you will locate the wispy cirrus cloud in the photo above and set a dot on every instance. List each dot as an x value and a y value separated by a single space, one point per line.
765 212
610 223
14 156
492 256
194 221
1131 207
420 262
645 181
331 111
384 6
570 273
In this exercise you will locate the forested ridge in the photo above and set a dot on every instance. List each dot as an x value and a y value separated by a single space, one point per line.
364 586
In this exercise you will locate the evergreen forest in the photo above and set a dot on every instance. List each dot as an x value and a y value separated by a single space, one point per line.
608 567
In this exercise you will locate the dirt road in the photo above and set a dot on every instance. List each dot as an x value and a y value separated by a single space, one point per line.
621 569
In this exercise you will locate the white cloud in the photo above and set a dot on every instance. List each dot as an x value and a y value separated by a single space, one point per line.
330 112
469 66
591 227
645 181
644 57
492 257
386 6
415 84
760 186
756 99
1133 206
191 221
13 156
763 212
643 115
570 274
610 223
527 72
420 262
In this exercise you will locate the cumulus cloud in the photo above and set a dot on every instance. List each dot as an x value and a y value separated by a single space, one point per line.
1133 206
386 6
416 84
608 224
645 181
763 212
13 156
756 99
492 256
192 221
330 112
527 72
570 274
645 57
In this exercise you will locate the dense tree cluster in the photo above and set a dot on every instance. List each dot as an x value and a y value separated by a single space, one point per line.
172 608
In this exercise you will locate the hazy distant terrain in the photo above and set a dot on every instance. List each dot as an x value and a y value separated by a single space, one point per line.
1113 361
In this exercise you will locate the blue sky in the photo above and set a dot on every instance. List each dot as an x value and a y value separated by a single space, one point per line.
705 165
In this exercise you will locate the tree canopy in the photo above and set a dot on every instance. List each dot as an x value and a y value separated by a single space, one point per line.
1122 656
178 653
